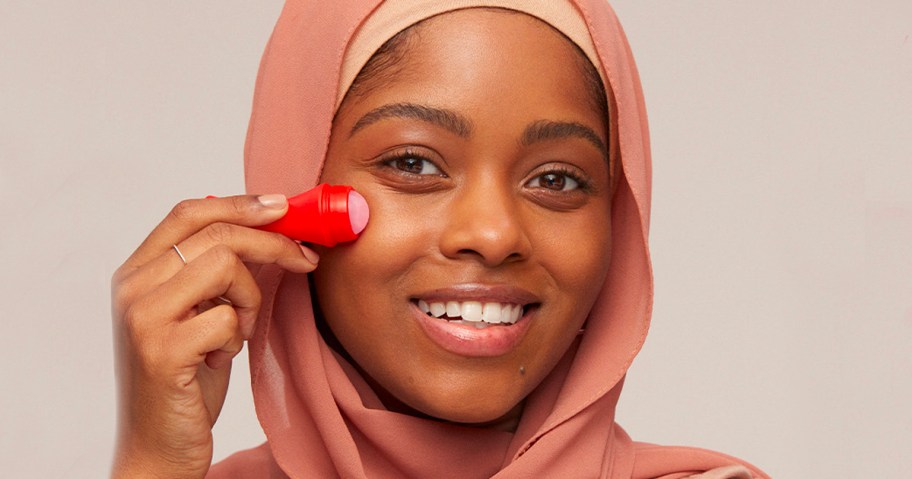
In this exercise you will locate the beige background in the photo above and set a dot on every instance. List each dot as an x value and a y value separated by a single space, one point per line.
782 227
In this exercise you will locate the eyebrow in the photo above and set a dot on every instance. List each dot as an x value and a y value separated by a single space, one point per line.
544 130
447 119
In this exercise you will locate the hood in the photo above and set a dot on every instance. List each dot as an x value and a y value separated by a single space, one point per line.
318 419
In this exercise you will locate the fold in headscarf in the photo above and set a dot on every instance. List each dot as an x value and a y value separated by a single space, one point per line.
320 417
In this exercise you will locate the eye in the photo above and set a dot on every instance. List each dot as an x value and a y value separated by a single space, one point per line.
555 181
412 163
411 169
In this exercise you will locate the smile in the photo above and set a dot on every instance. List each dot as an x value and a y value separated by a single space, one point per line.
478 313
476 319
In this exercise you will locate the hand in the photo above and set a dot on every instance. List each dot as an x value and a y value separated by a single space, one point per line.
177 327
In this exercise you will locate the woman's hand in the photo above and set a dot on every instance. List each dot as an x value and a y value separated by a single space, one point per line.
177 327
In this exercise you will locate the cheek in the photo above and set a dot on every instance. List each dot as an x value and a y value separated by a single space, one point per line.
397 233
576 251
576 256
367 278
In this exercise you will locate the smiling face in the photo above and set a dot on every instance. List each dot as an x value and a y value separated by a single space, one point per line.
483 162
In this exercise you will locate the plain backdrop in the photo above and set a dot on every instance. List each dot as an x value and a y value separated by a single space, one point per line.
782 224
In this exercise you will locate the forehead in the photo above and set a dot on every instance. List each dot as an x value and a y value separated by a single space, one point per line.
448 57
400 15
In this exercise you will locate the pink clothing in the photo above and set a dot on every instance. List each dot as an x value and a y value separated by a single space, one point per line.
321 418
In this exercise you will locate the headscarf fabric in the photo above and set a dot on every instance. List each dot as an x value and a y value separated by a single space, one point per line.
320 417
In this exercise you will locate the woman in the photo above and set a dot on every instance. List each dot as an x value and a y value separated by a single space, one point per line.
482 324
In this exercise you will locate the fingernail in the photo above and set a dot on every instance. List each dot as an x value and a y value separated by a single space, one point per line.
273 201
310 254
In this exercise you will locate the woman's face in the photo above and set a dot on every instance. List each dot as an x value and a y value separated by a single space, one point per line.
483 162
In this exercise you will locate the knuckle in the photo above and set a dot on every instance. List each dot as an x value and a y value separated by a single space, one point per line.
251 307
120 274
123 286
285 245
122 279
240 204
219 232
228 316
235 345
133 316
184 211
132 328
125 295
119 293
120 299
224 256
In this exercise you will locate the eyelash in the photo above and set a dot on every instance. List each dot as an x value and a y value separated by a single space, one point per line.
392 158
584 184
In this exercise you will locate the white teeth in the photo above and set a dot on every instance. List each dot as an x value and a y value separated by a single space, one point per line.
475 312
491 313
471 311
438 309
453 309
515 313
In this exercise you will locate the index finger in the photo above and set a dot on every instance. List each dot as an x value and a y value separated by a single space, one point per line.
192 215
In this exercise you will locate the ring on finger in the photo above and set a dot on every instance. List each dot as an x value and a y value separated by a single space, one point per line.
177 250
179 254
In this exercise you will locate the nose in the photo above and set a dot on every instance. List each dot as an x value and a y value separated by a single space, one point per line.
484 223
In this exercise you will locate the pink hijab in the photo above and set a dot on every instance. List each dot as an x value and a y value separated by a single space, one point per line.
320 417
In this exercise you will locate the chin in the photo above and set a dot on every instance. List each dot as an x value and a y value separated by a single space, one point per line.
470 414
469 401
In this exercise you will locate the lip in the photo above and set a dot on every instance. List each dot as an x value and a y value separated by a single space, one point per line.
493 293
467 340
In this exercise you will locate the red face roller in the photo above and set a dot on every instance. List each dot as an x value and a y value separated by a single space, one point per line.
325 215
